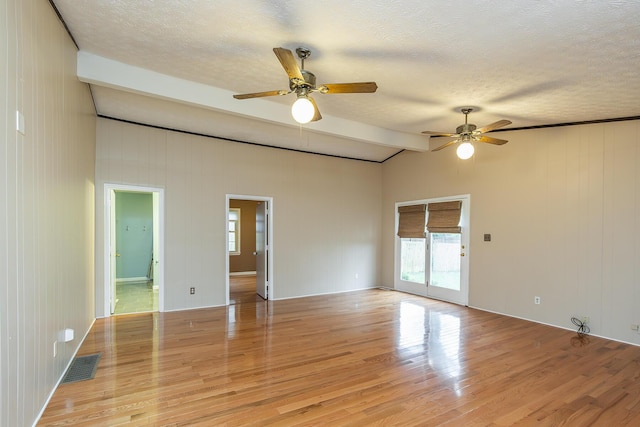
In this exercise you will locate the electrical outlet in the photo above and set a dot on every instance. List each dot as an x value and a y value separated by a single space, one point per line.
635 327
192 291
356 275
536 300
584 319
55 348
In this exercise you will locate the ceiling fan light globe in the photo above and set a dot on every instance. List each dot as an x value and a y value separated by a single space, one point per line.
465 150
302 110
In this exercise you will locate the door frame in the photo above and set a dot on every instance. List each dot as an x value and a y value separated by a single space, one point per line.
465 222
158 214
270 247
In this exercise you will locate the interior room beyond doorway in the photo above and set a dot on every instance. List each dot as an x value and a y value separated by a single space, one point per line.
242 251
135 290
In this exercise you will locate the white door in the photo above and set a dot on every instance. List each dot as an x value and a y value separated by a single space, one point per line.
436 266
446 257
113 251
262 249
156 241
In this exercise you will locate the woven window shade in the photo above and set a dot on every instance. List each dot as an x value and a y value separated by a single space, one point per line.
444 217
411 221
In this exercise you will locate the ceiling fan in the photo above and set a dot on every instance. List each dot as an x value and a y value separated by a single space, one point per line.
468 133
303 83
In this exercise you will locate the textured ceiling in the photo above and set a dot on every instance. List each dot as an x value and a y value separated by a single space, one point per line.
531 62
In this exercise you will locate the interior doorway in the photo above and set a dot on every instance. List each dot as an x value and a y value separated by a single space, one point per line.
249 249
133 249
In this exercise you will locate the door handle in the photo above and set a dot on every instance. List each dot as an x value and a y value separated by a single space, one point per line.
117 254
462 254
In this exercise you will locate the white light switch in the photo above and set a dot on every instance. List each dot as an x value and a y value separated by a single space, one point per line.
20 122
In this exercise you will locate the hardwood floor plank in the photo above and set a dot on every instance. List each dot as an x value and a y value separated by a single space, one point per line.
362 358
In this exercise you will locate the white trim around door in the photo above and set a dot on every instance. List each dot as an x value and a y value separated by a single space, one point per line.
109 245
460 296
269 274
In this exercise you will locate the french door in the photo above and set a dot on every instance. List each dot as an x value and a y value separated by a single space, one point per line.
436 266
445 255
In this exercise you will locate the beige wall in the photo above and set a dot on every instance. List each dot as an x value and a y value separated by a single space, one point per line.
246 260
562 205
563 208
326 211
46 207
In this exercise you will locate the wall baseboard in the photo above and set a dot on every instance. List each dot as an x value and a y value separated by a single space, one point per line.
243 273
132 279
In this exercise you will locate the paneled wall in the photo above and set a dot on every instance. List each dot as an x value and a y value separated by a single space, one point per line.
326 211
46 207
563 208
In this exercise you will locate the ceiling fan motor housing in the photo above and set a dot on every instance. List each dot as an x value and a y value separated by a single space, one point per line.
466 128
309 81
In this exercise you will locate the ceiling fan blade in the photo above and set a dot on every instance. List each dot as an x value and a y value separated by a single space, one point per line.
317 116
363 87
288 61
445 145
430 132
492 126
490 140
260 94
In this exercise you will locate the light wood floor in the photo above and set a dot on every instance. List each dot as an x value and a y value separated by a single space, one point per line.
243 289
362 358
136 297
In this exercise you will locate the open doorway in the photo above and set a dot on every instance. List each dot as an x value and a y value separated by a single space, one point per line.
249 249
133 249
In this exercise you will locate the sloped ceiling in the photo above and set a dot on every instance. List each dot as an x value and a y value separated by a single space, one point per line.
177 63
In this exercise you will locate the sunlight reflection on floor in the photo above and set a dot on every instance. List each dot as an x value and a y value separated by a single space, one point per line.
438 334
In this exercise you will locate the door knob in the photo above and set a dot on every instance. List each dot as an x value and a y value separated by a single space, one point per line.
117 254
462 254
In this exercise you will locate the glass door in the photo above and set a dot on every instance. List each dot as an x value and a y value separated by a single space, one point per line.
413 262
446 252
436 266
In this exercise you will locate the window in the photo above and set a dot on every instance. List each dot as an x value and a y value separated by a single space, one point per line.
411 230
441 264
234 231
413 264
445 260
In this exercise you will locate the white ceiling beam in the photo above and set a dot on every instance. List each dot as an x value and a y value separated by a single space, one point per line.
106 72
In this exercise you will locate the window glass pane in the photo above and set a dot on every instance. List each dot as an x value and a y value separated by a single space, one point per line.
232 242
445 260
413 260
234 231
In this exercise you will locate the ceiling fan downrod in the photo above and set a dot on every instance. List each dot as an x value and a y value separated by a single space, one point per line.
303 53
466 128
